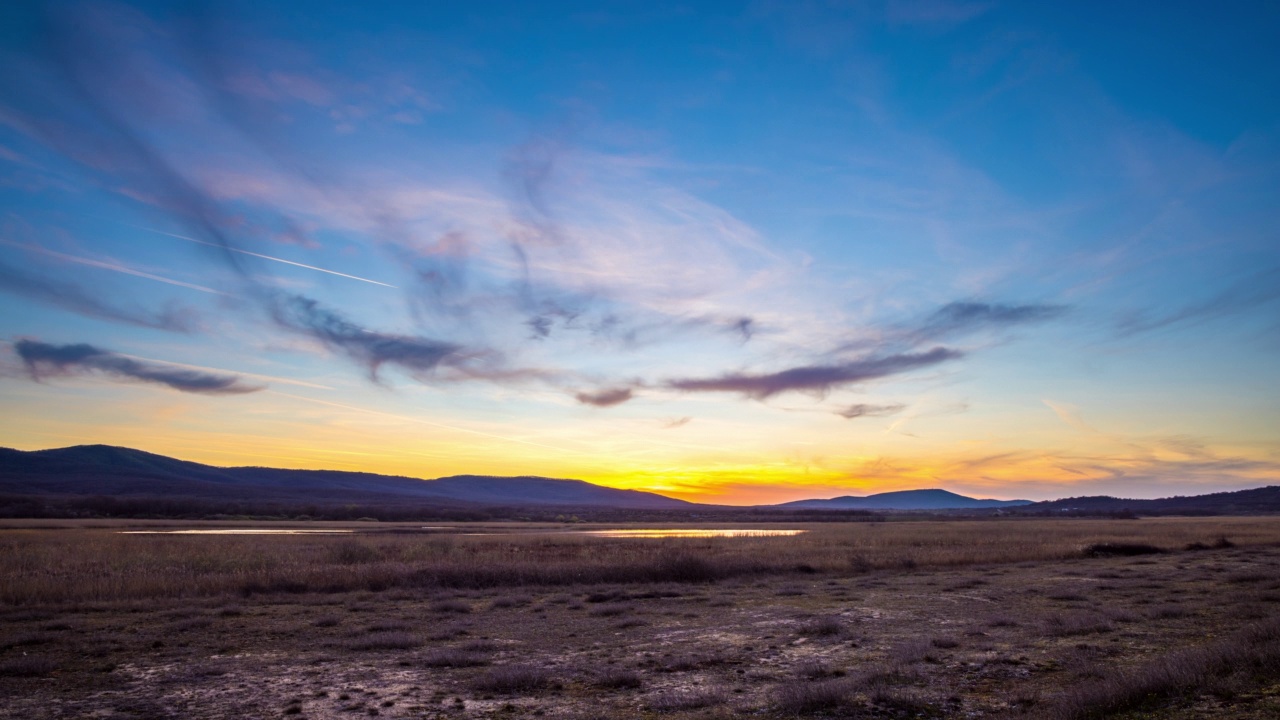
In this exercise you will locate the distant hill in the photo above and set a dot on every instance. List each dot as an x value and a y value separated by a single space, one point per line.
933 499
1241 502
91 470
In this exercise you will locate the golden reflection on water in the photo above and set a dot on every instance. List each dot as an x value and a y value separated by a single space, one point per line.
237 531
690 533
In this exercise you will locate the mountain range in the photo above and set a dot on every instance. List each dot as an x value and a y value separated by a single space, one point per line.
125 472
86 471
931 499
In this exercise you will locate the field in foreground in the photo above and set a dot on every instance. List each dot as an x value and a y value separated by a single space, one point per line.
1035 619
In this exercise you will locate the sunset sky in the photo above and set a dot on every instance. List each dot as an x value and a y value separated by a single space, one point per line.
733 253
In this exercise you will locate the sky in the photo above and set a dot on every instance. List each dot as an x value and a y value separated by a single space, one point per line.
734 253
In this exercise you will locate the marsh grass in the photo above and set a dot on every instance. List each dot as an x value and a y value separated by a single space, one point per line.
97 564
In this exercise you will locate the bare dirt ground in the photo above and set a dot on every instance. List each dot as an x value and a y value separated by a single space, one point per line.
1004 640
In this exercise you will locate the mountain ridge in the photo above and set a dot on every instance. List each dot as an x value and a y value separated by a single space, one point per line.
922 499
126 472
123 473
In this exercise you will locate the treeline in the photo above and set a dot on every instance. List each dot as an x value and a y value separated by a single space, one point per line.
169 508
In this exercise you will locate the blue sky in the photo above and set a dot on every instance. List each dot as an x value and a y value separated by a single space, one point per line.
731 252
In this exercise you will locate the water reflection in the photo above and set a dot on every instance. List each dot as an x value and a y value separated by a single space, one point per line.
689 533
237 531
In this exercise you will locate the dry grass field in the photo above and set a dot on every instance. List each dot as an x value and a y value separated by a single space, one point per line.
1057 619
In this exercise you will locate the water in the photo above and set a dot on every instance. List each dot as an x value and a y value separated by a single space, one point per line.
629 533
237 531
689 533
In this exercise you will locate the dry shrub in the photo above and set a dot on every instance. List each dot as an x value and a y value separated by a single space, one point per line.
1253 651
514 679
611 610
913 651
825 626
453 657
450 606
1079 623
817 670
812 697
618 679
693 661
391 640
680 701
1120 549
27 666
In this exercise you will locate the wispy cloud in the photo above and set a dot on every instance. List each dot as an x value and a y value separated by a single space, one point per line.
44 360
969 316
863 410
816 378
112 266
1256 289
75 298
607 397
369 348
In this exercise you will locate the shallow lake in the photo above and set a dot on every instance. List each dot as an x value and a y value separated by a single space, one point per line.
238 531
688 533
461 530
657 533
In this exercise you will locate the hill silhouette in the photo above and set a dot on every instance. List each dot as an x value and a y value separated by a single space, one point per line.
92 470
929 499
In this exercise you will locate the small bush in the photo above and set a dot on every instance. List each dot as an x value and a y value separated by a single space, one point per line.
1077 624
450 606
27 666
812 697
817 670
26 639
692 661
453 657
1108 549
913 651
611 610
393 640
327 621
825 626
618 679
514 679
672 701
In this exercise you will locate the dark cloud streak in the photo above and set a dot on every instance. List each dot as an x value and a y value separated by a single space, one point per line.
967 316
607 397
45 360
816 378
372 349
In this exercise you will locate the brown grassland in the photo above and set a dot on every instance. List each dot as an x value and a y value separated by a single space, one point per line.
1003 618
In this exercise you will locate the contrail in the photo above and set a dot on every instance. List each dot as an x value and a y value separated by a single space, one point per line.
266 257
257 376
108 266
